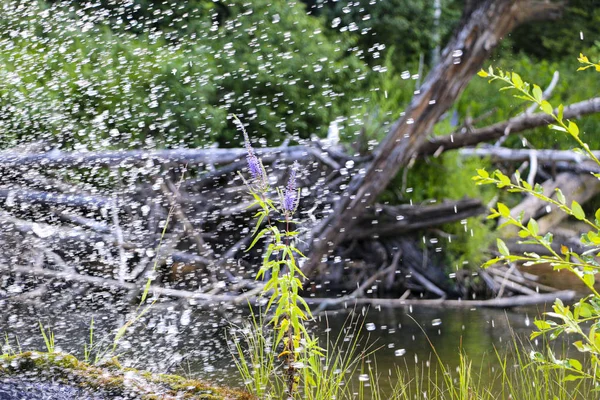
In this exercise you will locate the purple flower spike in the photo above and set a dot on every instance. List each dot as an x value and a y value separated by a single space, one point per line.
253 164
289 198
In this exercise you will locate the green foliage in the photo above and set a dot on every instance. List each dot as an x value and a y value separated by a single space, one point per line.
84 77
448 178
484 108
566 37
406 25
586 312
48 336
325 376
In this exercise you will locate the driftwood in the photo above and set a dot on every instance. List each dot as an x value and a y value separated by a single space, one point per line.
498 154
197 296
211 156
512 275
504 302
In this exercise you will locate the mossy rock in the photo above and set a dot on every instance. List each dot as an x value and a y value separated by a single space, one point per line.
30 371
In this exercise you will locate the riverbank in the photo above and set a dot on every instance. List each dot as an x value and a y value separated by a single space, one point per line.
65 377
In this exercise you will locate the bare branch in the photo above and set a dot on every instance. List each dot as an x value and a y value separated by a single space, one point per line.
512 126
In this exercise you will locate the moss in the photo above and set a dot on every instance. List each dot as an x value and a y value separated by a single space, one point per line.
111 379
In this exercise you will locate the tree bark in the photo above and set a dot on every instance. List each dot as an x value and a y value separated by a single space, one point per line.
486 25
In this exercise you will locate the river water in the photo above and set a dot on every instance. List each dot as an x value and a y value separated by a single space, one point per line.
192 343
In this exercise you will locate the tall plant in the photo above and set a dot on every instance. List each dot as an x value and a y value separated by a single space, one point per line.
281 272
586 312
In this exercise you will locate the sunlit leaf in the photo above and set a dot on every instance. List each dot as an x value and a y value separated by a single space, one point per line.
516 80
502 248
546 107
577 210
537 93
503 210
573 129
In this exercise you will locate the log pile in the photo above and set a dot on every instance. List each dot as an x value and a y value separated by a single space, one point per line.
72 233
108 220
79 233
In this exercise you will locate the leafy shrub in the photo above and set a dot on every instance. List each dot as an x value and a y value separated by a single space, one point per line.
408 26
476 101
583 319
92 76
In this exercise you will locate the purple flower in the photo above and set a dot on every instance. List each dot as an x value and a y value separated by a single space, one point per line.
290 201
253 163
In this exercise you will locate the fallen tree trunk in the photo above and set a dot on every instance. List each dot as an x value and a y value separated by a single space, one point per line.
397 220
123 158
21 195
100 282
482 30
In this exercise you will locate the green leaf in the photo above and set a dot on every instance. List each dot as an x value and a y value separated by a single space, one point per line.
571 377
259 221
597 215
577 210
503 210
504 180
575 364
517 81
523 233
537 93
548 238
282 330
585 310
535 334
573 129
489 263
583 59
561 110
581 346
532 225
538 189
541 324
589 280
257 238
483 173
546 107
502 248
561 197
483 74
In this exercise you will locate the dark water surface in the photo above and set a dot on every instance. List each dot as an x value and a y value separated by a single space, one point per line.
193 344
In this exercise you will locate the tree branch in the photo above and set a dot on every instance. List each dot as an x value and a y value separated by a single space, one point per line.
512 126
